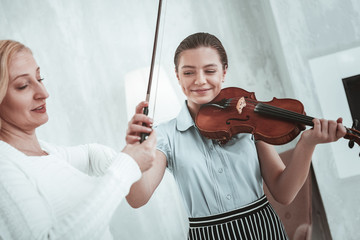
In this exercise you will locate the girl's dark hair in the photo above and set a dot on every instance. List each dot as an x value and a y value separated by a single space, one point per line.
201 39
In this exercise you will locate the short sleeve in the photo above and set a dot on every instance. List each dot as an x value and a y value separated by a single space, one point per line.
164 144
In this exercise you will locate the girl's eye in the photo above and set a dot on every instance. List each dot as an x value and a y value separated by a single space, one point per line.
210 71
41 79
22 87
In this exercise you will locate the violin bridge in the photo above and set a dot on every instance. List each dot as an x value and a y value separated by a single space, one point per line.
240 105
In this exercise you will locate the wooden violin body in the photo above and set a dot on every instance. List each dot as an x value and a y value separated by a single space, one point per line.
235 111
221 124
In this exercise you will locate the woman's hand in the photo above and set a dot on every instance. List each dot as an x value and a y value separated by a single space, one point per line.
135 126
144 153
324 131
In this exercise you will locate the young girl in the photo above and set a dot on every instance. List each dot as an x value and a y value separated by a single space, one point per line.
222 184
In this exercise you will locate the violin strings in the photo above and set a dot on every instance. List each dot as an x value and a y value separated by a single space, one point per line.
285 114
280 112
275 111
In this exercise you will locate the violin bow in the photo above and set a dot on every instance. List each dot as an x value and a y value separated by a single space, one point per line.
146 109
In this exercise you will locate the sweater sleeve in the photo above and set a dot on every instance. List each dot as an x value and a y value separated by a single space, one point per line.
26 214
92 159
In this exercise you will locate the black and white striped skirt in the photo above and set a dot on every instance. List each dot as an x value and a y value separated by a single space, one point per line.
256 220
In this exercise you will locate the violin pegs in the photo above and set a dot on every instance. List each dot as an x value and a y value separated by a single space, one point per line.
351 144
356 124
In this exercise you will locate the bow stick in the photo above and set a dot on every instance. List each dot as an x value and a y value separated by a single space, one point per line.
146 109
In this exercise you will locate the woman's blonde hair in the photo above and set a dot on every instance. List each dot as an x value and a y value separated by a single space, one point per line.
8 48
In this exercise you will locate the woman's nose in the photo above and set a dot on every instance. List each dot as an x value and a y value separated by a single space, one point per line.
200 78
41 92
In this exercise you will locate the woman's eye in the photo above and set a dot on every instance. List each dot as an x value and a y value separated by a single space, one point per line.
22 87
210 71
187 73
41 79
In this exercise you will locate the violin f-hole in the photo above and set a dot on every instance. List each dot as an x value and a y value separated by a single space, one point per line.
237 119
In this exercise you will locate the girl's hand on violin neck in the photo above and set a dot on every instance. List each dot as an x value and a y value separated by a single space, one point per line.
135 125
324 131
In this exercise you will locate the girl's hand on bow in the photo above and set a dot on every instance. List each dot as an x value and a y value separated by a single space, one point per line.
135 125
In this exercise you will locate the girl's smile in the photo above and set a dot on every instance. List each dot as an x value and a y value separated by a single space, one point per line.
200 74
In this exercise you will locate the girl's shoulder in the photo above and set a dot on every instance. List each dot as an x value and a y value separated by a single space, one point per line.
166 127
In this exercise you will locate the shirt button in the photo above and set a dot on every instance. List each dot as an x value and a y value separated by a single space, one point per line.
220 170
228 196
211 148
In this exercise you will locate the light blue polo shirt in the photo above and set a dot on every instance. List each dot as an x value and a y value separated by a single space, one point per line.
212 178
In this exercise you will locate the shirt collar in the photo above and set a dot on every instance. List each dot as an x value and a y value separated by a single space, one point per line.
184 120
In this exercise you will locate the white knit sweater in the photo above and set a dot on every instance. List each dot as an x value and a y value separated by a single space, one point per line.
70 194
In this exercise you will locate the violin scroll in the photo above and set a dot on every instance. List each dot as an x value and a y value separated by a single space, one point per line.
353 134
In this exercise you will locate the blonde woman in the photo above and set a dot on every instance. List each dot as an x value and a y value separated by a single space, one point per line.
49 191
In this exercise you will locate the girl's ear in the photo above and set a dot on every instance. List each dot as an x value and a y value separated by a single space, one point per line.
177 75
224 73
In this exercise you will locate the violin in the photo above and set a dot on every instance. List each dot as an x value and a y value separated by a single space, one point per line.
276 122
